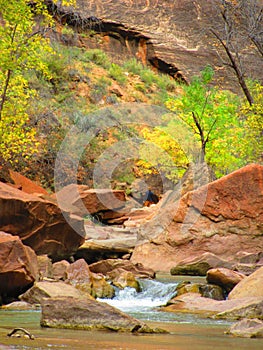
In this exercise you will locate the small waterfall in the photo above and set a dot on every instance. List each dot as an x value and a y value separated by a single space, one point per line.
153 294
144 305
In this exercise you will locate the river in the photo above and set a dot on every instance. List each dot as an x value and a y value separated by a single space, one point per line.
186 331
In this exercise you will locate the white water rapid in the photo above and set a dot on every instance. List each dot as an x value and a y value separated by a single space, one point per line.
143 304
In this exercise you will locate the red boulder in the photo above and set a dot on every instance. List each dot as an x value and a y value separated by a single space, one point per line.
18 265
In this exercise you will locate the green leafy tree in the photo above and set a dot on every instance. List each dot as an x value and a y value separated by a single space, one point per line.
212 116
22 48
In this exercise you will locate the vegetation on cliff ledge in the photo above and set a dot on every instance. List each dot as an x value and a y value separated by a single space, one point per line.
48 85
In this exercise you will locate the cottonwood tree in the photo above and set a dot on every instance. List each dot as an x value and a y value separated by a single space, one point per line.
212 116
241 28
22 49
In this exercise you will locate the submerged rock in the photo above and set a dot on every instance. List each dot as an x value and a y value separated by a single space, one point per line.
83 313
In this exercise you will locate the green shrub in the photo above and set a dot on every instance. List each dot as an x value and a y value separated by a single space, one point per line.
133 66
116 72
97 56
148 76
66 30
140 87
164 82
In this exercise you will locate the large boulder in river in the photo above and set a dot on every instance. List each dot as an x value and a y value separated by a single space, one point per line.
18 265
93 250
122 279
250 286
40 223
223 218
83 313
205 290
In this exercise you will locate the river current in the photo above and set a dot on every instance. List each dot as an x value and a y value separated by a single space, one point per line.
186 332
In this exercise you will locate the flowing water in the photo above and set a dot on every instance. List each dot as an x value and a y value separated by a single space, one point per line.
187 332
144 305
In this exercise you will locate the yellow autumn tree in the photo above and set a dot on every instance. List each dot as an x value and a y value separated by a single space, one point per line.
162 153
252 118
22 48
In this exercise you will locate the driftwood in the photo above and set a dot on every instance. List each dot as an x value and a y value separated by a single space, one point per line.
15 330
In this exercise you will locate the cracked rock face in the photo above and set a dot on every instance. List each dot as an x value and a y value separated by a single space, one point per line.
172 35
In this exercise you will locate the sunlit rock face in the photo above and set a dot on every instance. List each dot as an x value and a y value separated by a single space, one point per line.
224 218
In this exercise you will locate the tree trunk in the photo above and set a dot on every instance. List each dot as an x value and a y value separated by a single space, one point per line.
3 97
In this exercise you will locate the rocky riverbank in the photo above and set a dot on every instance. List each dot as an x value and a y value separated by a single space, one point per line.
214 230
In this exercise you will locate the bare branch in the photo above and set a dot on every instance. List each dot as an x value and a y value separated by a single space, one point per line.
236 68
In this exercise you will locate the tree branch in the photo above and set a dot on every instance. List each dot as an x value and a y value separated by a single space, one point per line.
239 74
